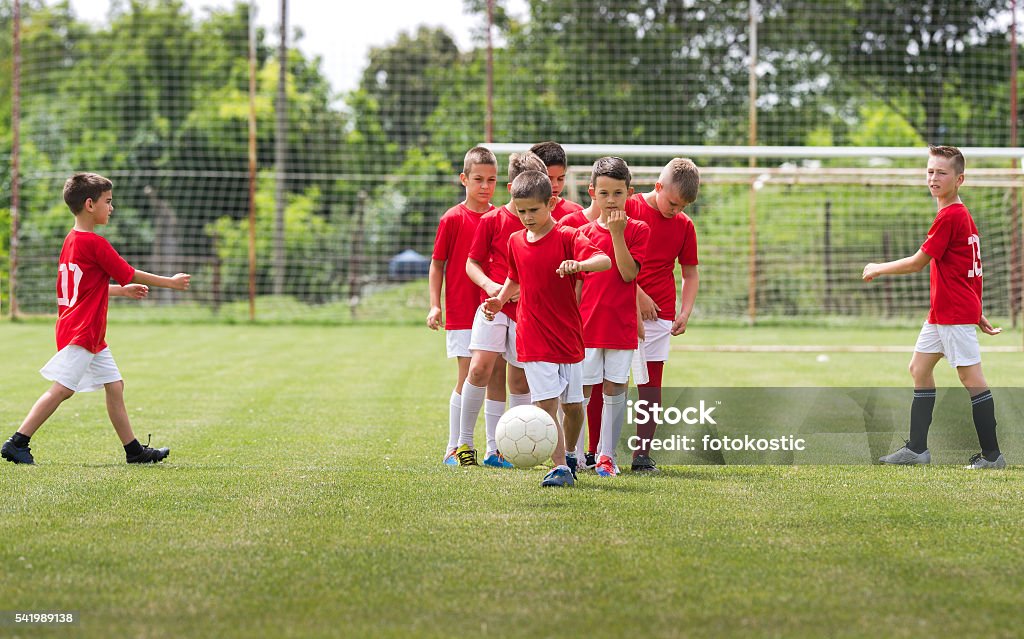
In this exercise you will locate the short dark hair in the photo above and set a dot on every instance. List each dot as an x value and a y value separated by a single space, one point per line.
532 185
613 167
550 153
950 153
682 174
478 155
84 186
521 162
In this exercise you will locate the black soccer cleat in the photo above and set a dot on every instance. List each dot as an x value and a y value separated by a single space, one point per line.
17 454
149 455
644 464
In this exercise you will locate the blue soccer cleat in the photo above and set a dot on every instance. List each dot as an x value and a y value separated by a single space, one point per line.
497 460
559 476
450 459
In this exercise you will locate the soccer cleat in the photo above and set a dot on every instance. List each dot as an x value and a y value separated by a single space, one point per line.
497 460
450 459
149 455
978 462
466 455
606 467
572 463
559 476
17 454
589 461
906 457
643 464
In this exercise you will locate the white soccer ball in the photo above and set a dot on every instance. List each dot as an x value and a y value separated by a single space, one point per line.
526 436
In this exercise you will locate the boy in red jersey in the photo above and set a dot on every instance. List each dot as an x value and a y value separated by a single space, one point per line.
608 302
553 156
455 233
493 338
83 362
953 249
542 260
673 238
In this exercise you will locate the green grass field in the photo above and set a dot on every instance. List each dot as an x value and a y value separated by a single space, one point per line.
304 498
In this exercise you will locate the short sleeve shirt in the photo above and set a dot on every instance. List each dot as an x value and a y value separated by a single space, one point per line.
455 233
565 207
490 248
574 220
549 328
608 303
672 239
87 264
955 273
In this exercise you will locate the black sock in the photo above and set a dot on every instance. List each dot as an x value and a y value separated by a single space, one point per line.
921 418
20 440
984 409
132 448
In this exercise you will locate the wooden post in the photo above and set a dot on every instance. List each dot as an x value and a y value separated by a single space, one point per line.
252 160
752 201
15 158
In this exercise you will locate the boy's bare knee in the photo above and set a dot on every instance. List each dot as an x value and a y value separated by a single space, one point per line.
61 392
115 387
573 410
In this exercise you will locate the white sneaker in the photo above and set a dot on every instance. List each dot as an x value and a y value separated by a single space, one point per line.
978 462
907 457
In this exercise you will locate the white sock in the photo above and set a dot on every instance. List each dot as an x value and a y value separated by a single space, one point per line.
518 400
613 416
472 401
454 412
493 410
581 443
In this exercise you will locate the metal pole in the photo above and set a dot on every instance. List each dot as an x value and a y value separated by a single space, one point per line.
489 112
15 157
252 160
280 150
1017 270
752 210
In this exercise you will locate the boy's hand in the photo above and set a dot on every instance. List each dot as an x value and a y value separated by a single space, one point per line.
492 289
679 325
617 221
492 306
135 291
870 272
648 309
987 328
181 281
569 267
434 318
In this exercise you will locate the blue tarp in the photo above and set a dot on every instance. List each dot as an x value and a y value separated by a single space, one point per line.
408 265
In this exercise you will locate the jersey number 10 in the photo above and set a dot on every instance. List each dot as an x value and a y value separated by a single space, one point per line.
975 243
65 299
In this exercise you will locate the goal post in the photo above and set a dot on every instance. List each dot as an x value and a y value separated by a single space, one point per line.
821 214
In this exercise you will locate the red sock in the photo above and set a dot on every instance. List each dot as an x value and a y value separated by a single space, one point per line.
594 417
651 391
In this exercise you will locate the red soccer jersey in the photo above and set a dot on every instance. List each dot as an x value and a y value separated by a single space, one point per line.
490 248
564 207
608 303
574 220
955 279
455 233
87 264
549 328
671 239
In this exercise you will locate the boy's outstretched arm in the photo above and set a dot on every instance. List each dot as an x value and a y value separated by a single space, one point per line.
911 264
179 282
134 291
593 264
687 296
434 279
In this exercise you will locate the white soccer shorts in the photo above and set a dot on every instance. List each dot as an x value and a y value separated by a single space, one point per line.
606 363
457 342
77 369
958 342
497 335
657 333
547 380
